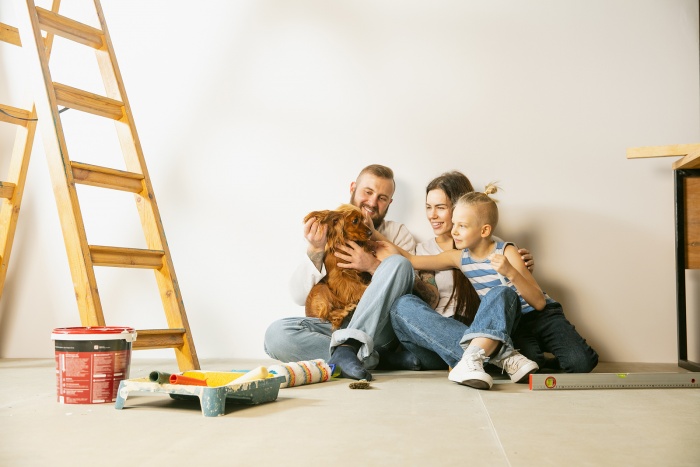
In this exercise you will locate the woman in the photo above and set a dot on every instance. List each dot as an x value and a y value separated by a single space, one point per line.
457 296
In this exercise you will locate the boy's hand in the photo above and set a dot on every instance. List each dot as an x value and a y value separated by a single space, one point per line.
501 264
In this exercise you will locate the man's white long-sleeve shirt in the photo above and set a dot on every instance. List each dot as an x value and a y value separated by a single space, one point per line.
305 276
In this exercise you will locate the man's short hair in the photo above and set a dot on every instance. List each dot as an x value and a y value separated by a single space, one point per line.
380 171
377 170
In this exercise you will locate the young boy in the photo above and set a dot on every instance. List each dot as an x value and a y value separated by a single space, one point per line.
504 284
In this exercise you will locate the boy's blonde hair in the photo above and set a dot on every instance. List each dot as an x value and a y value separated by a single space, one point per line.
486 208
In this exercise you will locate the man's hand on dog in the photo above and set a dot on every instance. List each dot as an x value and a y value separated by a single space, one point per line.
357 258
315 234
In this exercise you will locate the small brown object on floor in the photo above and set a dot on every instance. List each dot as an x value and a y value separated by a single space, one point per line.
361 384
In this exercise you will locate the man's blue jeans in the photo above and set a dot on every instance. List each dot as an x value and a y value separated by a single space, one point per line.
437 340
302 338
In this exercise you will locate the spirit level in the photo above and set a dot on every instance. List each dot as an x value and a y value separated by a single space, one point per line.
614 380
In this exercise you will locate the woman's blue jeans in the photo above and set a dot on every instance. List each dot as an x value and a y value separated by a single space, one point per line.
438 341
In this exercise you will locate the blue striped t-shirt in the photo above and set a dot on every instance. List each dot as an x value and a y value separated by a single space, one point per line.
484 277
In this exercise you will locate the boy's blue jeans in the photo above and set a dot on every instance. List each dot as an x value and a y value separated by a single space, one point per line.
549 331
437 340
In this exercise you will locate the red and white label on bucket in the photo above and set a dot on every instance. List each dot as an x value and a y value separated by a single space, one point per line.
90 377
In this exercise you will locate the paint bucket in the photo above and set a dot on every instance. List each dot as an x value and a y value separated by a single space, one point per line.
91 362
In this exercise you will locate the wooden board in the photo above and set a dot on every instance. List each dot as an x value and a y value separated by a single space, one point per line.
689 154
692 222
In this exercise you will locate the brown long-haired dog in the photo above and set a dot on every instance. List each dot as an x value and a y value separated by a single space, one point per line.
337 294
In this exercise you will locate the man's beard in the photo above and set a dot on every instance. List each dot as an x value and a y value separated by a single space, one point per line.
376 221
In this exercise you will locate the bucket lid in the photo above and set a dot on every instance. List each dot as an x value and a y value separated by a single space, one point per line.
95 333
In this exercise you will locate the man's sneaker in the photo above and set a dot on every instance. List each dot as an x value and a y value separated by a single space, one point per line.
516 365
470 371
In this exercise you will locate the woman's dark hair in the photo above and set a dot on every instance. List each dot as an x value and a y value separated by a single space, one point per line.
455 184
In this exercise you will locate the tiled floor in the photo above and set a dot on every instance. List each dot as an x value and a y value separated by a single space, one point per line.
405 419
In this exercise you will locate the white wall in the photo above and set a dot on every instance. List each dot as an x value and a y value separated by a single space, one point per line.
253 113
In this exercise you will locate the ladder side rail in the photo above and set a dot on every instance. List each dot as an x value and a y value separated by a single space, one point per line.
72 225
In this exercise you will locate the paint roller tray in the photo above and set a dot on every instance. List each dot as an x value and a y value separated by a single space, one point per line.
212 399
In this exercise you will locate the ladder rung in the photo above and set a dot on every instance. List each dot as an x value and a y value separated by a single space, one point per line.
21 114
10 34
7 190
88 102
159 338
107 178
70 29
120 257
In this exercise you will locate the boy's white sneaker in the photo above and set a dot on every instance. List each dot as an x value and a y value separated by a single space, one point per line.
516 365
470 371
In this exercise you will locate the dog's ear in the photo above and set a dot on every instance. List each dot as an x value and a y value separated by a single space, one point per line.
334 218
319 215
336 226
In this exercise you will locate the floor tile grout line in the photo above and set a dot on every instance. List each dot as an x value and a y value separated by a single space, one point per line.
493 429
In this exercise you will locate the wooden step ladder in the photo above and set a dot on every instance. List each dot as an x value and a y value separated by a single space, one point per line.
66 173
